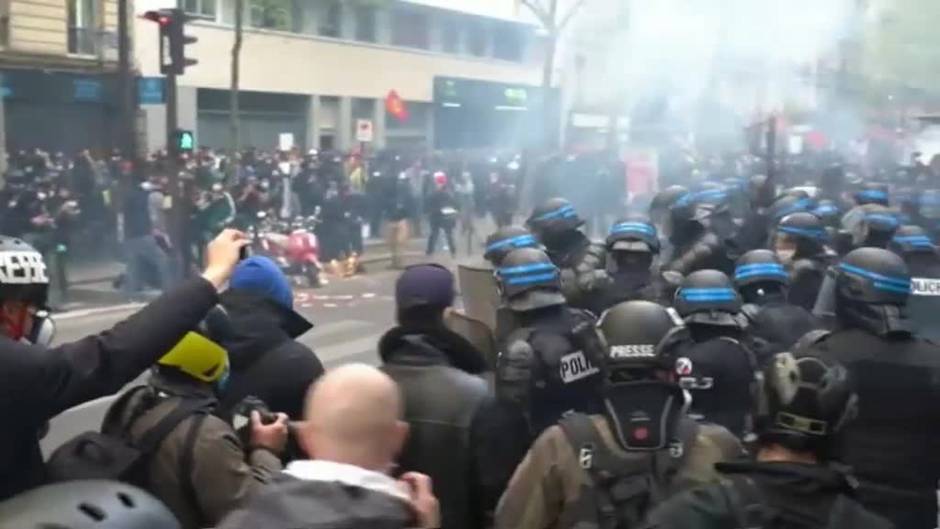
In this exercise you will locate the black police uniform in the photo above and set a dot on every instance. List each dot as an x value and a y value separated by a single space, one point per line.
540 356
811 259
773 323
694 246
892 444
917 249
718 368
632 245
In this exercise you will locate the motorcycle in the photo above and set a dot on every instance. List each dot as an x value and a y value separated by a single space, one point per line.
293 247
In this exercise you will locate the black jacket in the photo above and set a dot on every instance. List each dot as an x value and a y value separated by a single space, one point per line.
810 492
892 444
441 401
315 494
36 383
266 361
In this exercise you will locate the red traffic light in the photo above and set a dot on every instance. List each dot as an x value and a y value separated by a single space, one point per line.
158 17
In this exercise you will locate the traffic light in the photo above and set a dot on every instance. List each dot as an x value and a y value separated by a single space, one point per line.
184 140
173 40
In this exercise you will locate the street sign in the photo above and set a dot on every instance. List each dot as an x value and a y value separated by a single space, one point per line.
364 130
150 90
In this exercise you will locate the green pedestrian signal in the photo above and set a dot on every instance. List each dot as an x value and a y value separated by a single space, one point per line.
185 140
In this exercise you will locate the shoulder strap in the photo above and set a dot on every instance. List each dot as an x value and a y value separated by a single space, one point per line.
186 464
113 421
154 436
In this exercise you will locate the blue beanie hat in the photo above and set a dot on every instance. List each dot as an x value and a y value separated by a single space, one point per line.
261 276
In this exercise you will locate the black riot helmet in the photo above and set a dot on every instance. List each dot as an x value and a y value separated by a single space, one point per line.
528 280
708 297
86 505
759 273
505 240
805 229
911 239
804 403
828 211
872 193
871 225
869 290
640 337
634 233
795 202
554 216
663 200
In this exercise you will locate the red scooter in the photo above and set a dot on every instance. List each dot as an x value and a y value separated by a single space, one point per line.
297 251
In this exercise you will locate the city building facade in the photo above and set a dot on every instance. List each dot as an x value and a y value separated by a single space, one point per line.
466 70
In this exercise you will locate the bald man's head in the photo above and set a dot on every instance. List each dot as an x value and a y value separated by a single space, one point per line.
353 416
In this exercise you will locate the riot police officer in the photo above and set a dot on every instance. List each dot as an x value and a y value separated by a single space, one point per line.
892 444
719 367
805 405
643 441
919 252
872 193
871 225
763 282
694 246
800 243
632 246
556 224
544 369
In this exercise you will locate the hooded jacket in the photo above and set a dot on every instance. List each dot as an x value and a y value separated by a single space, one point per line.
323 494
435 369
265 360
812 492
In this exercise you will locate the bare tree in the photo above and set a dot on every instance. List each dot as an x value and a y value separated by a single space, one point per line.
234 118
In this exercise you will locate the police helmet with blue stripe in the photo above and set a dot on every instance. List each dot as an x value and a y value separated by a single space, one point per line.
803 227
872 193
795 202
555 215
528 280
634 233
911 239
873 276
760 266
708 297
871 225
505 240
828 211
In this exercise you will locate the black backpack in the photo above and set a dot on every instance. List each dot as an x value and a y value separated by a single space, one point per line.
624 487
751 510
113 455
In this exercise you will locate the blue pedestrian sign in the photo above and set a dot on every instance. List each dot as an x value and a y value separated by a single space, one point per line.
151 90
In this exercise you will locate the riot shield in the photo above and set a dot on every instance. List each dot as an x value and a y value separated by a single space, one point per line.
475 332
479 292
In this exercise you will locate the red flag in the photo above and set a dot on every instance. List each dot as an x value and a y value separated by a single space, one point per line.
395 106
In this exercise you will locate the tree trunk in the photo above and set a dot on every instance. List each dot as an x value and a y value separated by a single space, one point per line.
234 121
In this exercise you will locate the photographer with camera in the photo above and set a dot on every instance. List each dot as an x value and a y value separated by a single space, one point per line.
199 468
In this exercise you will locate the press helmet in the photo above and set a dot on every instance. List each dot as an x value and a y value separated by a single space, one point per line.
86 505
640 337
505 240
554 216
804 403
529 280
708 297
